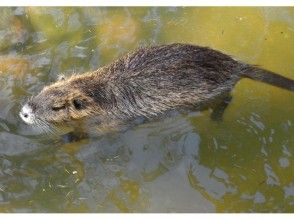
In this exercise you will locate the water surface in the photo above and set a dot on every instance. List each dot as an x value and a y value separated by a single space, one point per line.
181 164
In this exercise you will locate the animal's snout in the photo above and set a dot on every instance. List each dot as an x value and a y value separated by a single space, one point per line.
27 114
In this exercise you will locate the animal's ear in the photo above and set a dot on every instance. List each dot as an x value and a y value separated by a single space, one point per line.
79 103
61 77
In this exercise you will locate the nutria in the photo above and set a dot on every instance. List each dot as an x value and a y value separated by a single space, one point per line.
145 84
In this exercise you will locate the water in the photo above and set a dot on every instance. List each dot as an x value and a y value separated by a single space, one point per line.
181 164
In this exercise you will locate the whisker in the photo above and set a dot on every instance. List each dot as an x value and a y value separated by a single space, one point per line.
46 127
40 125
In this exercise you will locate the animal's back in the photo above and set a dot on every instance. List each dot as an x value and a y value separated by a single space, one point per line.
174 75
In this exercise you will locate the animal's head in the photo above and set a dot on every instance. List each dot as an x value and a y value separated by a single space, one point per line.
63 101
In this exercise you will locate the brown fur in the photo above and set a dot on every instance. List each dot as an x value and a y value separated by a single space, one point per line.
146 83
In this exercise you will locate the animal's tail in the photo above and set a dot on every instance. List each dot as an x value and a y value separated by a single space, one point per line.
266 76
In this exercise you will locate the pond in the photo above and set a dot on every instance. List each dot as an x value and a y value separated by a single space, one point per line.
186 163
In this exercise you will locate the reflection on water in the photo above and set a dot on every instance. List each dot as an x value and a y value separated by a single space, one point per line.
180 164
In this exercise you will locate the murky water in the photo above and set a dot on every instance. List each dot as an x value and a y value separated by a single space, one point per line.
181 164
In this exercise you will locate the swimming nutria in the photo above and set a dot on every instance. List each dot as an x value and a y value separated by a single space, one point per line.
146 83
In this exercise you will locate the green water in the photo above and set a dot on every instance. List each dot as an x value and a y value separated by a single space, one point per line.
182 164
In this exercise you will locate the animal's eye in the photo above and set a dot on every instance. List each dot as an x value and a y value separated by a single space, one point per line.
78 104
57 108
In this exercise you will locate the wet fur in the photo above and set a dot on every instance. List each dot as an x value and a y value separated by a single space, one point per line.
151 81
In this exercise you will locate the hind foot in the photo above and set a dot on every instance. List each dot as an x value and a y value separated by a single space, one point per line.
219 109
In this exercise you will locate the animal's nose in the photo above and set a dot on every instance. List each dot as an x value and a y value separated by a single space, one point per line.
25 111
26 114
